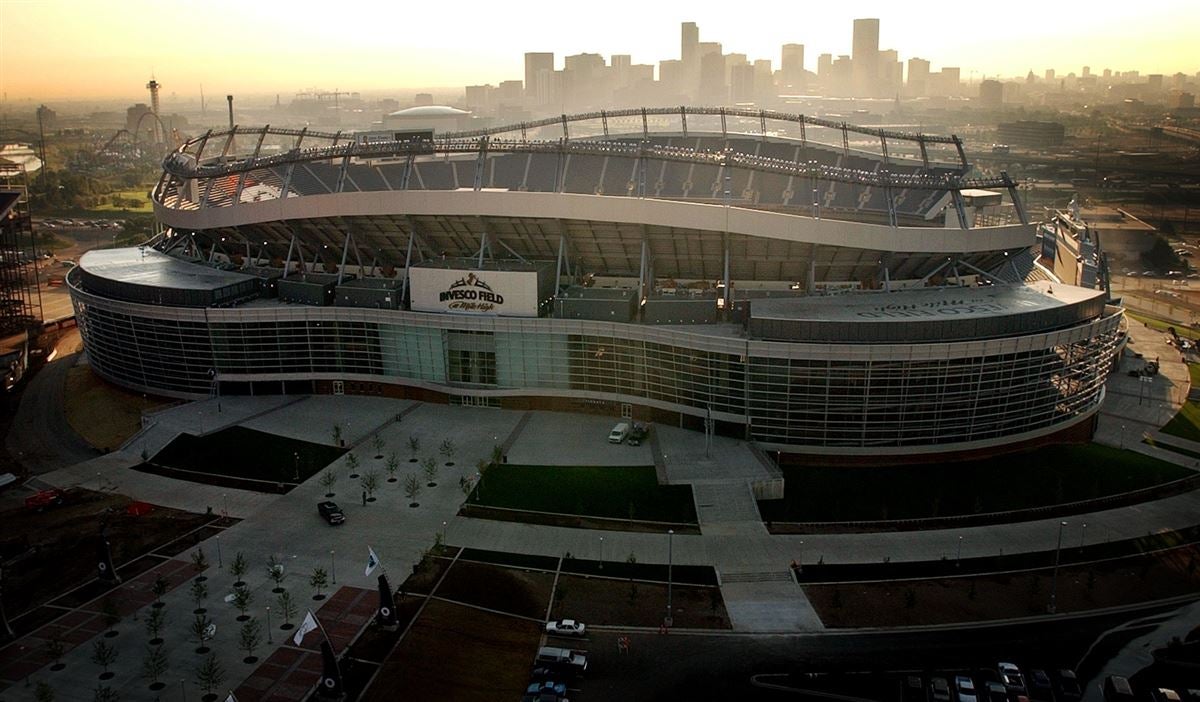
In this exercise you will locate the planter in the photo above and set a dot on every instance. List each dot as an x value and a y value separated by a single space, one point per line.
318 597
57 667
200 610
156 641
156 686
159 605
107 675
110 633
243 617
330 494
203 650
370 499
287 626
414 504
392 480
250 659
430 484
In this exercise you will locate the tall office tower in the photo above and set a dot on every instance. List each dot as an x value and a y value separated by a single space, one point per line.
1087 71
534 62
825 67
891 72
791 65
713 88
1049 75
764 79
950 80
991 93
865 56
620 64
670 76
741 83
689 53
1107 73
918 77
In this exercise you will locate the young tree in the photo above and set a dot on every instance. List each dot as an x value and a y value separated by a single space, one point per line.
287 609
352 464
414 445
54 648
159 588
104 655
249 638
108 610
199 593
155 621
412 488
497 454
377 444
318 580
42 692
275 572
393 464
431 471
447 450
104 693
154 665
328 478
200 630
199 562
238 568
465 484
370 482
242 597
337 434
209 675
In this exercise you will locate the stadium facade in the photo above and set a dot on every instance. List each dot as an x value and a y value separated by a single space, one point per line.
762 271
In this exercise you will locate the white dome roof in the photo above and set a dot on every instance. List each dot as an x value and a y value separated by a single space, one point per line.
430 111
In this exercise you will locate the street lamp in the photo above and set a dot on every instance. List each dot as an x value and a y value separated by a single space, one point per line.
1054 586
601 553
958 555
269 640
332 567
670 538
800 563
219 564
443 532
1082 533
296 477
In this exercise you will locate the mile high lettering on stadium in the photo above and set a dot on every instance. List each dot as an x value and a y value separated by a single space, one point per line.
470 294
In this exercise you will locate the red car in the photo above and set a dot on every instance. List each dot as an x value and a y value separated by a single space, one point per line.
44 499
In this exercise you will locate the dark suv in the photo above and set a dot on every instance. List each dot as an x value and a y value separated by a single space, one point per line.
331 512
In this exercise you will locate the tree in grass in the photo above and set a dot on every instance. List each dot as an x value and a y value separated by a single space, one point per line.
201 631
159 588
104 654
199 562
209 676
242 597
412 488
42 692
154 666
108 610
249 637
337 434
287 609
377 444
370 483
104 693
275 573
392 465
352 464
447 449
318 580
156 620
199 593
497 454
430 468
414 445
54 649
328 478
238 568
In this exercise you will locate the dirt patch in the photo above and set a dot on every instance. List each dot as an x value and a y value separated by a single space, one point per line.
521 592
947 600
57 548
102 414
458 653
426 575
573 521
631 603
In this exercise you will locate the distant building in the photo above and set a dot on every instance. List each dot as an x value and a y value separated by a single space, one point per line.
865 57
791 65
47 118
534 62
422 99
439 118
918 76
741 83
138 124
1030 133
991 93
1180 100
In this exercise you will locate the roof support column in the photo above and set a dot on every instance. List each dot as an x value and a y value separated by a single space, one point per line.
645 126
726 296
237 198
683 118
810 282
642 276
562 241
482 246
412 233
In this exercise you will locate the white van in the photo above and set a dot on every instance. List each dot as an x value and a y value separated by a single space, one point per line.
618 433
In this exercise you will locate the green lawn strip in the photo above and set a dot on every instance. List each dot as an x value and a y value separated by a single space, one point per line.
1186 423
1172 448
246 453
615 492
1047 476
1161 325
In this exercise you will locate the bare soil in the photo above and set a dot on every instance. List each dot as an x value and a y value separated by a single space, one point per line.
459 653
521 592
104 415
946 600
625 603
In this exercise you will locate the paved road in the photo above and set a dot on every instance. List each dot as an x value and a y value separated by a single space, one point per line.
40 438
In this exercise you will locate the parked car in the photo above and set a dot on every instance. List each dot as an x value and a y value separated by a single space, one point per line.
331 512
637 434
618 433
1011 676
996 692
1068 685
566 627
543 687
939 690
965 687
563 659
1040 687
45 499
914 689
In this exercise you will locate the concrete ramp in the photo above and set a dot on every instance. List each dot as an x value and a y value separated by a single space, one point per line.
767 602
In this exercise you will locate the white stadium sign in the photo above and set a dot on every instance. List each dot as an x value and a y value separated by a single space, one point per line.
460 291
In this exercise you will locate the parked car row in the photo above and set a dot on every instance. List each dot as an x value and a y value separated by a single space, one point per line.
557 668
633 432
1006 683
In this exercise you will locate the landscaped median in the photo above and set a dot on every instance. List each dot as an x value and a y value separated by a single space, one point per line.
1013 487
623 498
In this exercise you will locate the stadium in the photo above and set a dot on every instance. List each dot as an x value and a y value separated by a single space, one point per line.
817 288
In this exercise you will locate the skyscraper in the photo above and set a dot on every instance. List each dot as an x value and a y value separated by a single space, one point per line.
791 64
534 62
918 76
865 56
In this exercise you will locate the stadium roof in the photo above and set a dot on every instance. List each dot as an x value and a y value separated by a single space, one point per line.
148 267
429 111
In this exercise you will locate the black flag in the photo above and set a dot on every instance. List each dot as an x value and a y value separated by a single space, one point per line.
104 565
389 618
330 686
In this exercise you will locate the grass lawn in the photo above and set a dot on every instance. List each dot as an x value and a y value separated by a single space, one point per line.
1046 476
246 453
617 492
104 414
1186 423
1161 325
127 195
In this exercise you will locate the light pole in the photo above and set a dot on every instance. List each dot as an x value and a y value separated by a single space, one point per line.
219 564
958 554
1054 586
332 567
1082 533
269 639
800 564
296 477
670 562
601 553
225 498
443 533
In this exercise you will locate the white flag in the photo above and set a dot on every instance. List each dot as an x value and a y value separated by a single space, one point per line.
231 698
372 561
309 624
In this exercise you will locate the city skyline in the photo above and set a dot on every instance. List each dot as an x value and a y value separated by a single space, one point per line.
48 51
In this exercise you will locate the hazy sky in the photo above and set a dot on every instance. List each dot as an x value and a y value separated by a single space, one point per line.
56 49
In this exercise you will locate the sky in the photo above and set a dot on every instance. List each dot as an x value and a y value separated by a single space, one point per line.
92 49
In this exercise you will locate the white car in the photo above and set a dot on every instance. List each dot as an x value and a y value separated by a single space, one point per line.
566 627
966 689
